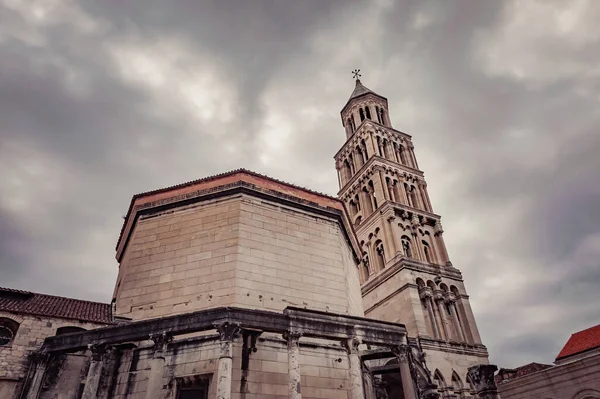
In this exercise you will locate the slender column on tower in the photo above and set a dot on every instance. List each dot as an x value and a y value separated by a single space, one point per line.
451 300
426 295
227 332
438 297
391 236
92 380
294 377
438 230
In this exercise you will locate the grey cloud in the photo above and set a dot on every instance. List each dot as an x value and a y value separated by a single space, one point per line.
510 161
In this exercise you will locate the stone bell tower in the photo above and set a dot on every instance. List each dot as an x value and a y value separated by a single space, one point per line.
406 274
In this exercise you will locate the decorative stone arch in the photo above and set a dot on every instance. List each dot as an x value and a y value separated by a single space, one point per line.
8 330
18 318
587 394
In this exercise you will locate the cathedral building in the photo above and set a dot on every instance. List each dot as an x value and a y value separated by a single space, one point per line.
242 286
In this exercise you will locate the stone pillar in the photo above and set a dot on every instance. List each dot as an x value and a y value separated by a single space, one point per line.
94 373
451 300
227 332
402 352
390 236
39 363
482 377
294 378
438 297
356 377
157 366
368 383
438 231
426 295
411 151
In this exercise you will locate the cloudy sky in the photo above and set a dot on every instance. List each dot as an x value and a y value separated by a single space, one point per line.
100 100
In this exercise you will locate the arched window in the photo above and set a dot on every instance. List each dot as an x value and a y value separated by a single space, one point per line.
438 379
378 112
408 196
360 156
365 267
427 251
353 208
350 125
457 385
402 155
380 255
368 112
382 117
8 330
357 202
347 171
379 146
367 203
351 163
406 246
372 191
362 114
68 330
413 197
363 146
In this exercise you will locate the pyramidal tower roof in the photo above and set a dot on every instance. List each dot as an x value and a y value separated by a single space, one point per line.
360 90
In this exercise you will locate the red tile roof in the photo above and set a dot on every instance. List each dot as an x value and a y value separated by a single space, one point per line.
509 374
18 301
580 342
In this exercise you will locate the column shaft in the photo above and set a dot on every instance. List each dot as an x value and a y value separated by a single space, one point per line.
227 332
356 378
38 377
92 381
408 385
443 319
436 331
459 328
294 378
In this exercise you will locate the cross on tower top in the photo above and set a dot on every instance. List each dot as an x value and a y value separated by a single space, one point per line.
356 74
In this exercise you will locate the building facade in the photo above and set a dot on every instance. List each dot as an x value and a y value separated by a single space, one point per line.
575 374
242 286
406 273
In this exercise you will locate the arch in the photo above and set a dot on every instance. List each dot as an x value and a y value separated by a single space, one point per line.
69 330
438 379
8 330
372 194
420 282
427 251
378 112
358 220
353 208
362 114
402 155
406 246
368 111
457 385
380 253
360 156
454 290
587 394
382 117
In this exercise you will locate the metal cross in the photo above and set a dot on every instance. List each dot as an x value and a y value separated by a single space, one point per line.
356 74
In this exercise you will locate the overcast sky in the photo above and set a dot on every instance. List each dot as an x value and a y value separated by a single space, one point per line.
100 100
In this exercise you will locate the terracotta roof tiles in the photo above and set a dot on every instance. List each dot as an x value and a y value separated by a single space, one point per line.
18 301
580 342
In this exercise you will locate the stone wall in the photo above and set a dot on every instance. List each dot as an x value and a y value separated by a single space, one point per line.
29 337
236 251
579 379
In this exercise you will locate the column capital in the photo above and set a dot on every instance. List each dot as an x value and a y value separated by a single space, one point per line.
161 340
450 297
351 345
292 336
228 331
40 359
98 351
438 296
402 352
425 292
482 376
437 228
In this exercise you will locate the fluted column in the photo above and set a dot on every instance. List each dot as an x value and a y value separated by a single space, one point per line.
40 362
426 295
294 377
157 365
402 352
356 378
94 373
227 333
482 377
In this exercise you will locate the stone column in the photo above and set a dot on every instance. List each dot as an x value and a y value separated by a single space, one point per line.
356 378
426 295
92 380
294 378
39 363
438 231
391 236
402 352
451 300
411 151
368 383
157 365
482 377
227 332
438 297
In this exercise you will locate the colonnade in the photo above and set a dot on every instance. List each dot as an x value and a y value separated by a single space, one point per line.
443 314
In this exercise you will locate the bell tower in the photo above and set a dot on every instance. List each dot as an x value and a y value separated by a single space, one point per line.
406 274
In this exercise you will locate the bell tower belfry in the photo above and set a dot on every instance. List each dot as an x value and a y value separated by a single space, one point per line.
406 273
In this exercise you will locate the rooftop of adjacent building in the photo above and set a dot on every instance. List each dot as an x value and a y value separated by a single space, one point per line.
578 344
32 303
